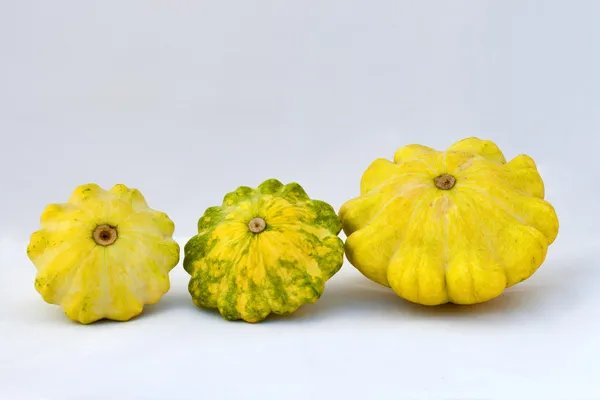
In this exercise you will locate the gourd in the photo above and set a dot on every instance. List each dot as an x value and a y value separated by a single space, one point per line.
264 251
454 226
103 254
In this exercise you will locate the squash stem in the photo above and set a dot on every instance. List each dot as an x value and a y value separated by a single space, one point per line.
105 235
445 181
257 225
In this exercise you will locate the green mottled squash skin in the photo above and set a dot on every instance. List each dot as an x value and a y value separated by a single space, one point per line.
264 250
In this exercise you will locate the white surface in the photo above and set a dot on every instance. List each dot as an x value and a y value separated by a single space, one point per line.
188 100
539 340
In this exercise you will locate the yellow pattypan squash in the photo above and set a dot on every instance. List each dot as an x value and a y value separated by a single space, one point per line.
103 254
454 226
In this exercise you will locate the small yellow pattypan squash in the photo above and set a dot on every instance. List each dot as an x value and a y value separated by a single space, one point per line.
103 254
454 226
264 250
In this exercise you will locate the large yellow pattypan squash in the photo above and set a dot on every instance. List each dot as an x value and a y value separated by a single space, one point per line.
103 254
454 226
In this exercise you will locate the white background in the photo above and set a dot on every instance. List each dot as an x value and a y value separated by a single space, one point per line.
186 100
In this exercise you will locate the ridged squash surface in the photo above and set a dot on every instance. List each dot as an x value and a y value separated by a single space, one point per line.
457 226
264 250
103 254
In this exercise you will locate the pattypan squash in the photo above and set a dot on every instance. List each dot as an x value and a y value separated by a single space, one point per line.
103 254
264 250
455 226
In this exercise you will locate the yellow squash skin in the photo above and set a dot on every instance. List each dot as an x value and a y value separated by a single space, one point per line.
462 244
264 250
91 279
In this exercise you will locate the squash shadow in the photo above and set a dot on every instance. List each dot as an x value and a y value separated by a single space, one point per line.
173 300
552 290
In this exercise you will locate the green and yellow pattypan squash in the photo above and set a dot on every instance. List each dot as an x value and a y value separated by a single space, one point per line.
103 254
454 226
264 250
